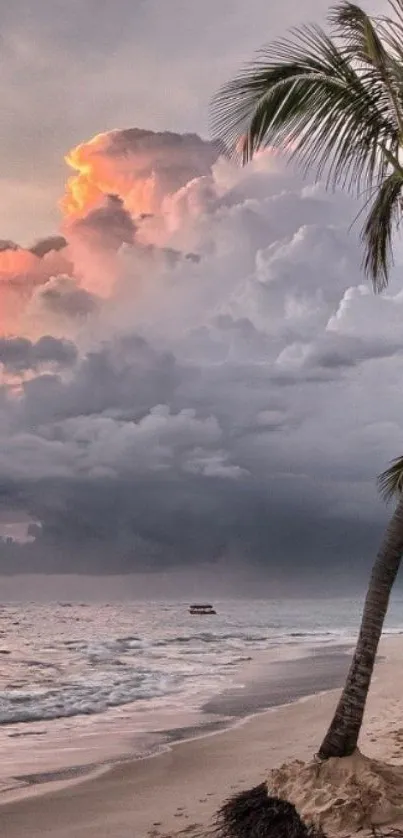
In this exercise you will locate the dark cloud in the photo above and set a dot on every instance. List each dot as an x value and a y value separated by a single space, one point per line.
6 244
107 226
125 378
218 409
20 354
126 527
120 484
47 245
336 351
62 296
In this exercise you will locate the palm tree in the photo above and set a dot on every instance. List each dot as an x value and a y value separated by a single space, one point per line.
336 105
342 736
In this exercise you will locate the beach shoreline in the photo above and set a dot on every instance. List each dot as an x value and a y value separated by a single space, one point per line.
177 791
37 762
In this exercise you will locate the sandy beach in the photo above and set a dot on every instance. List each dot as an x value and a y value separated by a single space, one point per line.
177 792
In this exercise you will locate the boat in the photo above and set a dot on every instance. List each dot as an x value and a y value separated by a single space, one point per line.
201 609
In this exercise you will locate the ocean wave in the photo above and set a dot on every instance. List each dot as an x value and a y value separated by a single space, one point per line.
318 633
210 637
78 699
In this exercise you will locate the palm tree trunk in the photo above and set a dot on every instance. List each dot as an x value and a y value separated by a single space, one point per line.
342 736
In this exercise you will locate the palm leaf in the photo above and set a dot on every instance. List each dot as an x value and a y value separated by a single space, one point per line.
391 30
358 35
361 42
390 482
378 229
304 93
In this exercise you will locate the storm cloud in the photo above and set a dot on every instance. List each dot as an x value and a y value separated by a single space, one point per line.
190 412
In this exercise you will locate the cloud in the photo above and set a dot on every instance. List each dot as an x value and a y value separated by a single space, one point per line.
62 52
20 354
22 271
204 409
123 378
107 226
141 167
6 244
47 245
122 180
61 296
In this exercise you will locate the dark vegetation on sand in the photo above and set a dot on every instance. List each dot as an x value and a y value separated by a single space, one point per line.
253 814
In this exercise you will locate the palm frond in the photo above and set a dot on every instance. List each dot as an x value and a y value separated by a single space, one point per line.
303 92
358 35
362 43
378 230
397 9
391 29
334 104
390 482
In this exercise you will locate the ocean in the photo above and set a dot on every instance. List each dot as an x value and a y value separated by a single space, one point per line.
71 670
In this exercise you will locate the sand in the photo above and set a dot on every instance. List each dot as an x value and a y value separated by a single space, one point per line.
177 792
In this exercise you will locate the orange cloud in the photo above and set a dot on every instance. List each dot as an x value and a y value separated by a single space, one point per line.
141 167
119 176
81 195
100 174
17 264
21 272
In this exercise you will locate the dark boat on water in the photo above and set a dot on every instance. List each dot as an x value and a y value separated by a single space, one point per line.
201 609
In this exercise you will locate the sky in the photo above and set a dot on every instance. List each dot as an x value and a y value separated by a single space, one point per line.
194 373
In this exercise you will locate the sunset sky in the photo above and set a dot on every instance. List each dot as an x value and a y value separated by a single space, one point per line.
70 70
193 367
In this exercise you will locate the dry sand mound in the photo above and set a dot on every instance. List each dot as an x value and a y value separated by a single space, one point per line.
341 795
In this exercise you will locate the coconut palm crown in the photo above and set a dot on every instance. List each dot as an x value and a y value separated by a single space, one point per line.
335 103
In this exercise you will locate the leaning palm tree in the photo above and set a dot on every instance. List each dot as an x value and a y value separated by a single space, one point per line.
342 736
335 103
